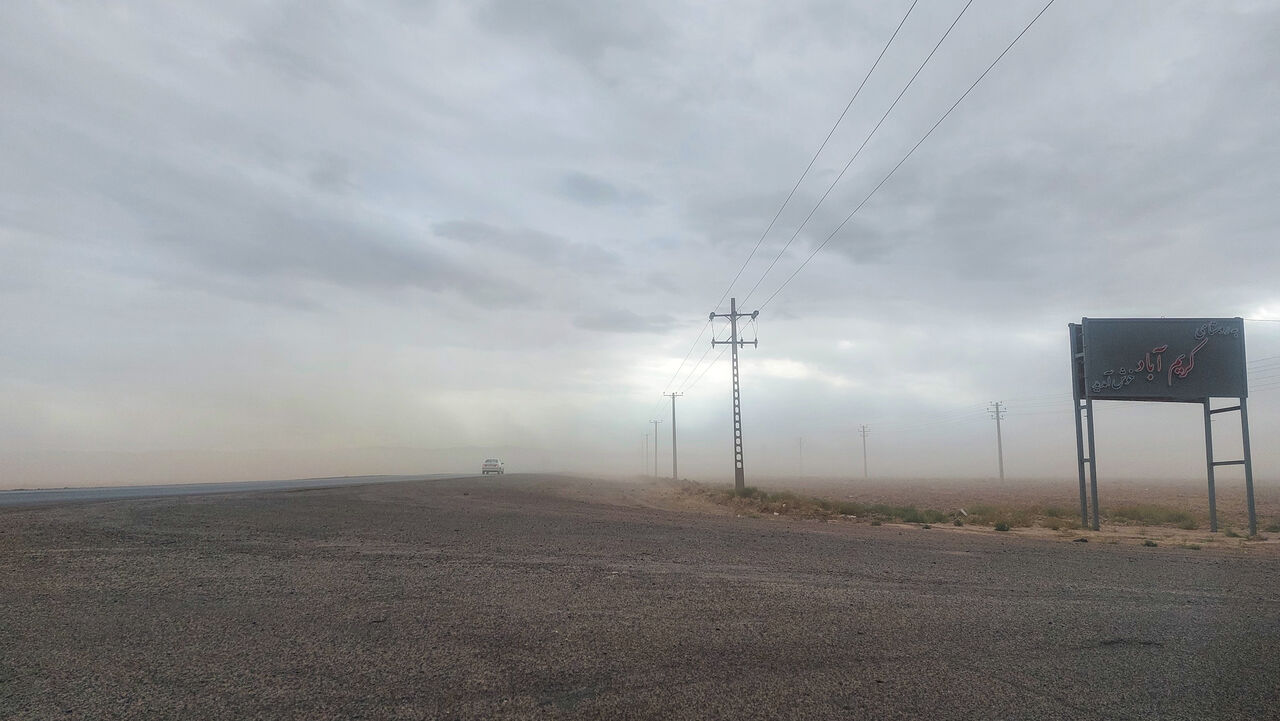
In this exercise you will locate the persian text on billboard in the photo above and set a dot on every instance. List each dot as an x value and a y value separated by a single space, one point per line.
1179 359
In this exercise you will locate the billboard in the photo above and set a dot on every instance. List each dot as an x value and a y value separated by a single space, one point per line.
1162 359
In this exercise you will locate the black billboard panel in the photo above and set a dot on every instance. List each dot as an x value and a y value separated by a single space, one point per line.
1163 359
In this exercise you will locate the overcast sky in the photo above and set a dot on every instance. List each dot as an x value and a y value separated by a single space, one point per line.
317 238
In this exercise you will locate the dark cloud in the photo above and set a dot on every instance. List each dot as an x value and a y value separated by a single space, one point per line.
624 321
584 32
588 190
533 244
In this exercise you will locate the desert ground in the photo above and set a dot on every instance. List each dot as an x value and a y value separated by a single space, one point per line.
533 596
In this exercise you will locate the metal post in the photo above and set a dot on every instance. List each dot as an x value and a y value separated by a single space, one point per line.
1093 465
1208 461
1248 465
645 458
1077 395
674 474
997 411
999 442
864 430
655 446
1080 461
739 475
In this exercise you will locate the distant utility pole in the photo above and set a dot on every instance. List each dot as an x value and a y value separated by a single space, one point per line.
997 410
645 458
863 430
739 475
673 396
655 447
800 451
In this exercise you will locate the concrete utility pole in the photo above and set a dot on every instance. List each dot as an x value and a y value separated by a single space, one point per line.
739 475
673 396
997 410
800 452
645 458
655 446
863 430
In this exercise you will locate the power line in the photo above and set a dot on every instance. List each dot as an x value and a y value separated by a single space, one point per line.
814 159
857 153
686 356
794 188
709 367
907 156
696 366
755 332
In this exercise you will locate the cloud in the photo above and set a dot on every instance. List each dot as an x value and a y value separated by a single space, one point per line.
308 222
624 321
544 247
588 190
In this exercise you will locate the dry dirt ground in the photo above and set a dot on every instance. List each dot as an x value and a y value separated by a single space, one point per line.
552 597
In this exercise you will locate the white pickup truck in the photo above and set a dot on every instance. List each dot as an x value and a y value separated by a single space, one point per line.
491 465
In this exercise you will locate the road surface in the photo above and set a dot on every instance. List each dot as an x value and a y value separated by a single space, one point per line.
25 497
541 597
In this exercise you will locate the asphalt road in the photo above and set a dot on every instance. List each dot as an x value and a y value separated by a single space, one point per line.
33 496
518 597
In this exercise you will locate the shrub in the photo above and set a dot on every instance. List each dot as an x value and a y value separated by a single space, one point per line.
957 522
850 508
1150 514
988 515
1057 524
1002 526
1150 543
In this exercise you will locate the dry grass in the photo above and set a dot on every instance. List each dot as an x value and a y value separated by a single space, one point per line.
1021 513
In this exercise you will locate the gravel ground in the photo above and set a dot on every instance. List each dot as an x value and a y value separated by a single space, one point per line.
543 597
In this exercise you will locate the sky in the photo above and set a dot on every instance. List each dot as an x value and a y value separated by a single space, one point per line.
244 240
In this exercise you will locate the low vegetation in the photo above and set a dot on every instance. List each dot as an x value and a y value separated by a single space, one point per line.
1148 514
754 502
753 498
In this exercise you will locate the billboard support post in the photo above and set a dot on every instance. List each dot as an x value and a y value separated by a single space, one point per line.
1083 413
1248 465
1081 459
1208 461
1093 464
